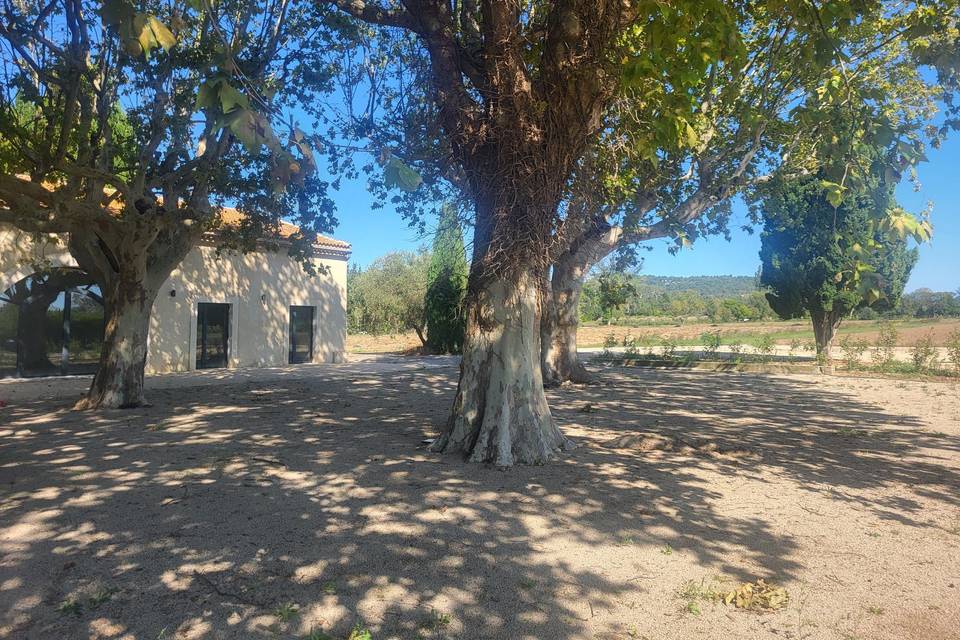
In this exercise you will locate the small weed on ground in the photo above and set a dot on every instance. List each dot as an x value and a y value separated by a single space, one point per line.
436 621
286 612
101 596
360 632
329 588
70 607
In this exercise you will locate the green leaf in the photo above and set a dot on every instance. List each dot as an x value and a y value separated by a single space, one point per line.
230 98
161 34
398 175
206 96
691 137
834 192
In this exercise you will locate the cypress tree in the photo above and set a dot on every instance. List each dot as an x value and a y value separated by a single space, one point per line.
446 286
808 250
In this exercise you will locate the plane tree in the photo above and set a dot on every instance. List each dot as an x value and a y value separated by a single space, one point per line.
127 126
802 102
518 96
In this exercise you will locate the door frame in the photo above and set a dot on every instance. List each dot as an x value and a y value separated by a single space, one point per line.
233 360
313 332
316 329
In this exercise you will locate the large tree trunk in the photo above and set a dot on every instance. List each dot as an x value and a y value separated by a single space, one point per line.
118 381
825 325
559 361
500 414
130 268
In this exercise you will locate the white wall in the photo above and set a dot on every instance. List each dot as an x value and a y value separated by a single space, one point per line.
259 286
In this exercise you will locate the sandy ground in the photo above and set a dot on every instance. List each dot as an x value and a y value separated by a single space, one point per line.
937 330
240 493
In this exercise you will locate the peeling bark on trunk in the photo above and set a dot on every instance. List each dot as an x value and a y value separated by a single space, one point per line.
500 414
559 361
130 267
118 382
825 325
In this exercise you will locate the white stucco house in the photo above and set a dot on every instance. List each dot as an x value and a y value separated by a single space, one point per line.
234 310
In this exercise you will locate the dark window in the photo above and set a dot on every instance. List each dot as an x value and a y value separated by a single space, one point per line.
51 326
213 335
301 334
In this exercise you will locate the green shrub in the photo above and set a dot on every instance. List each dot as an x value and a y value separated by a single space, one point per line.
711 342
923 353
853 351
885 345
953 349
610 340
764 345
669 347
795 345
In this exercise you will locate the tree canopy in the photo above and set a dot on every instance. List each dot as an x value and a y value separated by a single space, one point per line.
388 296
129 126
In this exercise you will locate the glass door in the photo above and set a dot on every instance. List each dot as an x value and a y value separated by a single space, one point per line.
301 334
213 335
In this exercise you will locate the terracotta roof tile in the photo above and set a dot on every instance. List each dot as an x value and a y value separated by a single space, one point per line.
230 216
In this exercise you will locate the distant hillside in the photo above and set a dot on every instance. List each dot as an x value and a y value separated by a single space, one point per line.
706 286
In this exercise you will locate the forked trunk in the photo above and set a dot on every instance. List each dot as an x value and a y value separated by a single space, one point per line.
500 414
118 381
825 325
130 263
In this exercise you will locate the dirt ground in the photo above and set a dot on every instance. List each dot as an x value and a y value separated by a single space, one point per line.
275 503
594 335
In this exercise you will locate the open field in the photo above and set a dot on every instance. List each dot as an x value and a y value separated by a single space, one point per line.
272 503
592 335
781 331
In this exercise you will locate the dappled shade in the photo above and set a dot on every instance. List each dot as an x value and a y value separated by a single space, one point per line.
239 492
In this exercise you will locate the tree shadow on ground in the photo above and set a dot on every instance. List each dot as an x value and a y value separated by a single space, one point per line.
225 501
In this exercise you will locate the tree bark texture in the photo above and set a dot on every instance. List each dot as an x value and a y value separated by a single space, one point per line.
825 325
500 413
130 265
561 318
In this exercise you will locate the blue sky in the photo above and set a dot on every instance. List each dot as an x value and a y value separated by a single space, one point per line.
375 232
